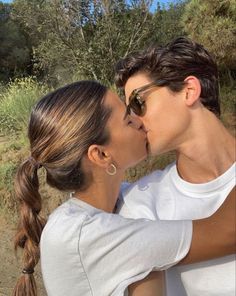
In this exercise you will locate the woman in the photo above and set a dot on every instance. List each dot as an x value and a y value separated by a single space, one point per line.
80 135
83 138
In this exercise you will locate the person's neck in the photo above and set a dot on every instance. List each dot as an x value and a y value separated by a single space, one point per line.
102 193
208 152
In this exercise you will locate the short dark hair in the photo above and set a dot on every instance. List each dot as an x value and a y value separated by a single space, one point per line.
171 64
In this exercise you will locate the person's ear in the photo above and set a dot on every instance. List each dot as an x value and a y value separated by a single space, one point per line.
193 90
99 156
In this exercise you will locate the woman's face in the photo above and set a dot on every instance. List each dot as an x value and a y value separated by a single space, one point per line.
127 145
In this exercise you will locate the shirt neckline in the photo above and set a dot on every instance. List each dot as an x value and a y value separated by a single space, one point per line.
212 185
85 205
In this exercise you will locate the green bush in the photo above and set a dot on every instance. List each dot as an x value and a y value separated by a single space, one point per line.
7 171
149 165
228 108
12 152
16 102
228 101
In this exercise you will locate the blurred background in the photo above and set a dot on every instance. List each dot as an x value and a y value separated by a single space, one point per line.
47 43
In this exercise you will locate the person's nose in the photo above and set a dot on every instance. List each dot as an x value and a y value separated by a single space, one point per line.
138 124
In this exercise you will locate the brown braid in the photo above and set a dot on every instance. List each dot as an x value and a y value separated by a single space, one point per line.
30 225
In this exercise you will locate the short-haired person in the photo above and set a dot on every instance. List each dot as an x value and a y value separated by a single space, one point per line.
174 90
80 137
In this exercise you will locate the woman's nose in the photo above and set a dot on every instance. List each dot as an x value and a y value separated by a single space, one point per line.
137 122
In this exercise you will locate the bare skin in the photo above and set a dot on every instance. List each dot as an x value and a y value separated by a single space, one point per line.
211 245
154 284
104 191
204 147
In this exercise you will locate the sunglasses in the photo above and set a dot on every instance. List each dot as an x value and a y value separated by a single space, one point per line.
136 102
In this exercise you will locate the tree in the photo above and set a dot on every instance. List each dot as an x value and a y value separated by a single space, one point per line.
166 23
82 38
15 51
76 39
213 24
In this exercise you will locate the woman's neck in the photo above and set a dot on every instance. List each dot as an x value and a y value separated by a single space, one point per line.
102 193
208 153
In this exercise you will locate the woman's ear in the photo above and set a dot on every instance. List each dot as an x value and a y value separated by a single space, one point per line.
193 90
98 155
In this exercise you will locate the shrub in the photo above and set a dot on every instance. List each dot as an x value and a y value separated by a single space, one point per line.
228 102
149 165
7 171
16 103
228 108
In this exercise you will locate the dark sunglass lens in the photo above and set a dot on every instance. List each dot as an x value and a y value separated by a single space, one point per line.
128 111
136 106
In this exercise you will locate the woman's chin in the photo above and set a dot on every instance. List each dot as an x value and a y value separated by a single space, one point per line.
136 162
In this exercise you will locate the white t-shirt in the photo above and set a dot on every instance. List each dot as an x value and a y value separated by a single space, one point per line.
86 251
164 195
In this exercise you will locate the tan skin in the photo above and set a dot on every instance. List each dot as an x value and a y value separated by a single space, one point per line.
152 285
196 131
212 245
104 191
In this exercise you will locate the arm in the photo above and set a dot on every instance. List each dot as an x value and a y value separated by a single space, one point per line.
152 285
212 237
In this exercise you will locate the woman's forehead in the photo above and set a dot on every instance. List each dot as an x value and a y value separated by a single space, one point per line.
113 101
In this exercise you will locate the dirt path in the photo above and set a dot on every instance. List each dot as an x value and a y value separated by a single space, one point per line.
10 267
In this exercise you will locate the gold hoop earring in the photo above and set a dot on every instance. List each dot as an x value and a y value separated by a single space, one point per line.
111 172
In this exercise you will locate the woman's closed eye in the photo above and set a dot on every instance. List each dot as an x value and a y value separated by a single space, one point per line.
129 122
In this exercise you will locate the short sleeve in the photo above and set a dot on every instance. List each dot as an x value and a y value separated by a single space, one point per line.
117 251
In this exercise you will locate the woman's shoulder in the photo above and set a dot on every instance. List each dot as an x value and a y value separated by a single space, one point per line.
64 222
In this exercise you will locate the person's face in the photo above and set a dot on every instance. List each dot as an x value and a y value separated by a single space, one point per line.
164 116
128 142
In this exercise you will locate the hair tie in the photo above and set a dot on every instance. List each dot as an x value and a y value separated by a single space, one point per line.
28 271
34 162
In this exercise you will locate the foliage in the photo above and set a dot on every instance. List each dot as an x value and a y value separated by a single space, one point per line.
12 152
15 53
85 38
228 102
166 23
63 40
228 107
212 23
16 103
7 171
149 165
